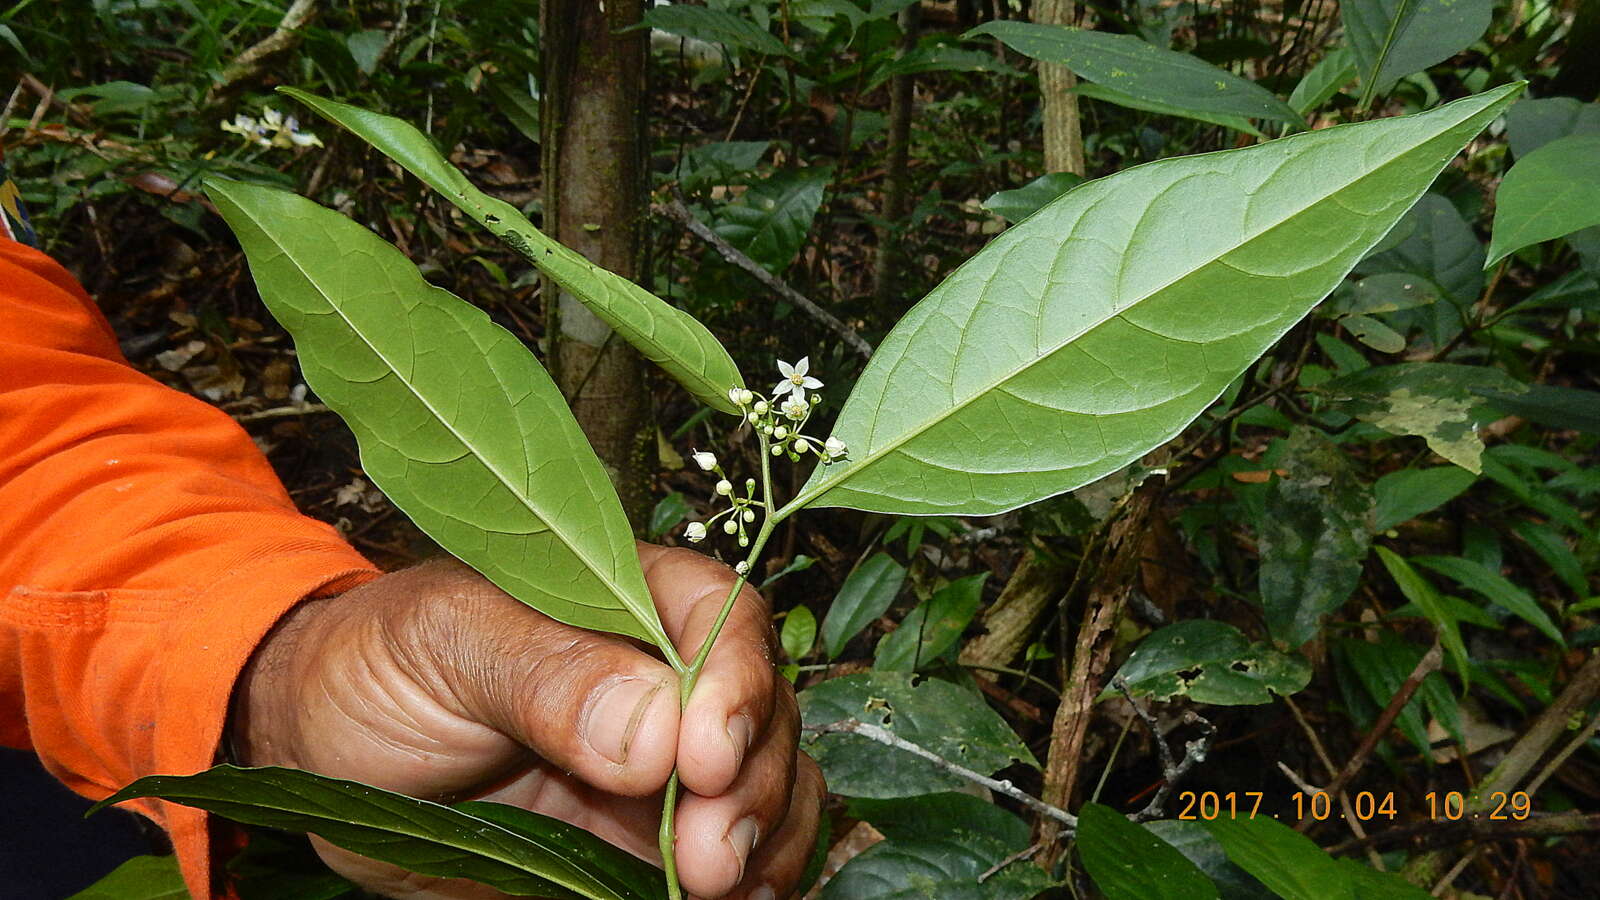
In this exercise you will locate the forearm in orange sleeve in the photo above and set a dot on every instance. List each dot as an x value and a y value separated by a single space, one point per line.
146 546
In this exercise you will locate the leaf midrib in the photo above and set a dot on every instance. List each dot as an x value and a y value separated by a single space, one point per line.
472 448
807 495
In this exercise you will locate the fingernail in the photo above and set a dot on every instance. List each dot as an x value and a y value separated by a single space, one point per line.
742 838
614 714
761 893
740 733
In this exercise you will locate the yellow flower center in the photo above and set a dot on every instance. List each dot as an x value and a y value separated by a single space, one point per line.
797 379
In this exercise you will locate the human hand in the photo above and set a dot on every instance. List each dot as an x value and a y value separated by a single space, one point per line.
434 683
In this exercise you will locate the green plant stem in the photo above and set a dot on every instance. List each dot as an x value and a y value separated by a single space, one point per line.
667 835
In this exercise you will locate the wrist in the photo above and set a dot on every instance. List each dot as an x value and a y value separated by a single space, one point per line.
262 729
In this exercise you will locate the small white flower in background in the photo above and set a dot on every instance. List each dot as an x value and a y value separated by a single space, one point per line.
273 130
742 568
696 532
795 378
704 459
796 407
835 448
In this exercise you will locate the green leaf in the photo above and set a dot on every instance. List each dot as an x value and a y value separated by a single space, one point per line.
1556 554
140 878
1435 401
714 26
536 856
666 515
1402 496
519 106
947 814
949 721
663 334
1210 662
1419 591
1375 334
1314 537
1494 586
933 627
1438 246
1548 404
1385 292
277 865
1530 124
1011 382
1019 203
1129 863
800 563
1393 38
770 221
934 869
1370 884
365 48
1139 69
457 422
799 633
1199 847
1287 863
1550 193
1380 668
723 162
1111 95
1336 70
863 597
937 57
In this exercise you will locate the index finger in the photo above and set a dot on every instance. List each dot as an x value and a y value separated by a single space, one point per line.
732 703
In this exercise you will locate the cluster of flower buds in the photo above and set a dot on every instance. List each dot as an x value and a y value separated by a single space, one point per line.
738 516
781 418
274 129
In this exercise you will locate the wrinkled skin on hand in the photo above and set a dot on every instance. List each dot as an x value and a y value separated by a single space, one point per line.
433 682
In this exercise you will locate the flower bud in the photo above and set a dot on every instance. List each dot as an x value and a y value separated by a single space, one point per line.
724 487
744 540
705 460
730 526
749 485
777 449
749 515
834 447
696 532
742 567
745 397
780 432
733 396
762 407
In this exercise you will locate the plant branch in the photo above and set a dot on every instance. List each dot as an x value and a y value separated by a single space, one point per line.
890 739
1426 666
1171 772
256 57
680 213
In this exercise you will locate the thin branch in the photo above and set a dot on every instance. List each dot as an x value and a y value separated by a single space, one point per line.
1445 833
1350 816
890 739
1025 853
280 412
1171 772
1560 759
1426 666
257 56
677 211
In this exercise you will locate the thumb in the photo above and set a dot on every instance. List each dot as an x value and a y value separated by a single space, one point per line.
593 704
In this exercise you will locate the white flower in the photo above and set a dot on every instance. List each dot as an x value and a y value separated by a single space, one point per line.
733 396
796 407
273 118
704 459
696 531
835 448
795 378
242 125
724 487
742 568
304 139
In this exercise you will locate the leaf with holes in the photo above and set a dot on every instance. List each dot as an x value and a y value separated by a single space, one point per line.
1210 662
1012 382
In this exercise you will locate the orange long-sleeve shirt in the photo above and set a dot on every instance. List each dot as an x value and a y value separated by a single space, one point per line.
146 546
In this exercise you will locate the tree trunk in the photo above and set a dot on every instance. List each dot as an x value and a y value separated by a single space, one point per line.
897 193
593 126
1063 135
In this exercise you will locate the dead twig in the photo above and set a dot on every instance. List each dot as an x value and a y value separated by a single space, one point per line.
1444 833
258 55
1171 772
280 412
680 213
890 739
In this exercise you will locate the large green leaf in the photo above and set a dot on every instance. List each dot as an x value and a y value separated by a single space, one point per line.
1115 97
714 26
1439 402
1140 69
951 722
1129 863
945 868
457 422
1210 662
1530 124
1297 869
1550 404
933 627
1550 193
663 334
1314 537
140 878
1197 845
1011 381
516 851
1439 247
1019 203
864 596
1393 38
1336 70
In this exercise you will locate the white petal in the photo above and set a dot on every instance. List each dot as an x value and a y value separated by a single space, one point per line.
781 388
787 370
810 383
305 139
803 366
